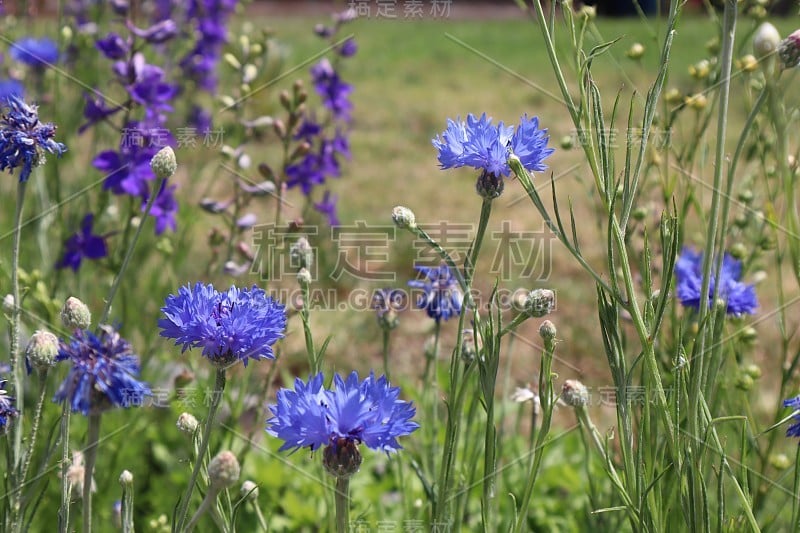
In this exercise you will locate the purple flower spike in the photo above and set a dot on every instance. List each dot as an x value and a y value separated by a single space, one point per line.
328 208
113 46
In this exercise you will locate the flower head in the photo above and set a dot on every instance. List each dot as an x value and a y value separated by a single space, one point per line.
104 372
740 297
83 244
239 324
354 412
441 296
477 143
37 53
23 139
333 91
327 207
7 409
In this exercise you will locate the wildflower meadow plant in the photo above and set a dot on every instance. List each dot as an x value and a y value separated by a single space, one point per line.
636 371
354 412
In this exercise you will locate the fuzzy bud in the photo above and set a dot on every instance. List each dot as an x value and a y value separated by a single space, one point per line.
547 331
301 254
636 51
42 350
303 277
223 470
574 393
766 40
471 345
249 490
8 303
780 461
126 478
187 423
342 458
75 314
539 302
164 163
404 217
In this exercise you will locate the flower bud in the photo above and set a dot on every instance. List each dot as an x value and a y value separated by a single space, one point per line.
301 254
187 423
753 370
636 51
744 382
779 461
232 61
164 163
673 97
789 50
539 302
42 350
471 345
574 393
75 314
567 142
766 40
303 277
547 331
8 303
342 458
223 470
404 217
700 70
698 101
126 478
249 73
748 63
489 186
249 490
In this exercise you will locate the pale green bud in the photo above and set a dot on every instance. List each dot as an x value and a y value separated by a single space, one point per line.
164 163
75 314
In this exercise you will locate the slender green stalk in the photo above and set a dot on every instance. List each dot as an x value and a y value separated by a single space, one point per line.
342 498
260 517
31 445
63 511
313 360
385 351
205 505
16 367
90 456
129 252
127 508
216 399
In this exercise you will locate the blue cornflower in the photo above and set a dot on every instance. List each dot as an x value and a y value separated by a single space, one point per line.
740 297
479 144
83 244
441 296
37 53
9 87
104 373
355 412
23 139
7 409
794 429
236 324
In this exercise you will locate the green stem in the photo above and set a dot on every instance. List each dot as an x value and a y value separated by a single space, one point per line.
211 496
342 498
90 456
63 512
129 252
16 367
385 352
37 418
313 360
216 398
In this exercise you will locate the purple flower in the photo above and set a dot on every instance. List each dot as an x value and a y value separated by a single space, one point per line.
328 208
36 53
199 119
355 411
794 429
348 48
96 110
23 139
333 91
210 18
477 143
313 168
10 87
83 244
164 209
104 373
113 46
158 33
441 296
740 297
7 409
127 171
239 324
